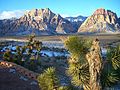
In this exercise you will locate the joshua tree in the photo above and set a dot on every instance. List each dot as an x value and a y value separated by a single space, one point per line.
48 80
86 66
38 46
7 55
110 74
78 65
33 56
19 56
95 65
34 45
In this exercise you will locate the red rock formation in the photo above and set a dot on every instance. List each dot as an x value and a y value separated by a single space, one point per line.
37 21
101 21
100 11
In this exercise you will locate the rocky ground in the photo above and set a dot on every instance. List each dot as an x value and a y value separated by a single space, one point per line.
11 81
14 81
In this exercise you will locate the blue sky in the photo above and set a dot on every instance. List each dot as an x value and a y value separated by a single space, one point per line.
63 7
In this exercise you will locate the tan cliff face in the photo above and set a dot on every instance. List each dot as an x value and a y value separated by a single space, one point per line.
106 15
101 21
40 15
39 21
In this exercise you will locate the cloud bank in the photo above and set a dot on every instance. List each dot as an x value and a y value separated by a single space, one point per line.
11 14
67 15
19 13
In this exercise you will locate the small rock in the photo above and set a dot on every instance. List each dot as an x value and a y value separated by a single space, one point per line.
33 83
12 71
23 78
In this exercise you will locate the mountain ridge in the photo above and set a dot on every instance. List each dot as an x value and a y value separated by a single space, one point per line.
101 21
38 21
45 22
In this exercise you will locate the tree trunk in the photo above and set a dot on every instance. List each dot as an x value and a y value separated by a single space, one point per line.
95 65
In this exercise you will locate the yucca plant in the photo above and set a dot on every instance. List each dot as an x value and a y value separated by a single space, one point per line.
77 46
113 57
34 45
7 55
78 68
108 78
48 80
111 70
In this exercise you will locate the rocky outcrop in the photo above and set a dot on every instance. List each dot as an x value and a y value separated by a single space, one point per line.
20 69
101 21
119 20
38 21
106 15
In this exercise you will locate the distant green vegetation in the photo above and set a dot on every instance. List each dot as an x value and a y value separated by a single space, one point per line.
29 60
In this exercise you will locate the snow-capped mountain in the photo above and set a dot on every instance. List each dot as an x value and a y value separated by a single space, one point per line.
76 19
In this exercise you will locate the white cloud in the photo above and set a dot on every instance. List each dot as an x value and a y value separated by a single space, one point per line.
66 15
10 14
19 13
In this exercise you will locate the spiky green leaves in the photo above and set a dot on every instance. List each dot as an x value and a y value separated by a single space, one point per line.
77 46
78 66
113 56
79 73
109 78
48 80
7 55
110 72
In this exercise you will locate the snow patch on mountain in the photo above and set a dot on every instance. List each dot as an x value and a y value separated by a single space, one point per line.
76 19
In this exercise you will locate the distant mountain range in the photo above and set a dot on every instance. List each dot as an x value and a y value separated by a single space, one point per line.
76 21
45 22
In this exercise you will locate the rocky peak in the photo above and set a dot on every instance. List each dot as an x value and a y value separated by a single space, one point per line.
102 11
43 15
105 15
38 12
39 21
46 10
101 20
119 20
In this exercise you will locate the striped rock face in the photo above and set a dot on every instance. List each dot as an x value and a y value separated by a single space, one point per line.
101 21
38 21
